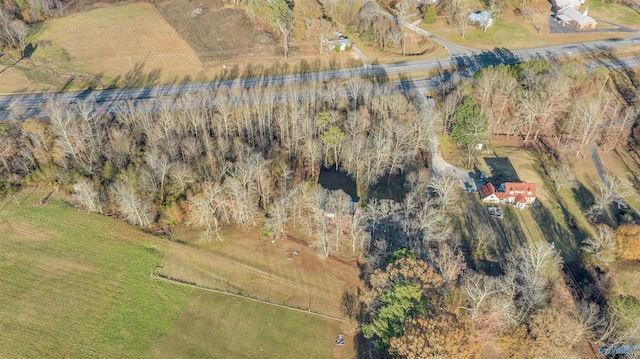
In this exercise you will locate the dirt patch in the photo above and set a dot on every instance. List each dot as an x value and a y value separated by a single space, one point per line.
19 231
218 32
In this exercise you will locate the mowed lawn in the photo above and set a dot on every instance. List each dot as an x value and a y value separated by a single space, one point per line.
76 285
219 326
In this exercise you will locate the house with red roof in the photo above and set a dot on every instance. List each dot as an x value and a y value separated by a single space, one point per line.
518 194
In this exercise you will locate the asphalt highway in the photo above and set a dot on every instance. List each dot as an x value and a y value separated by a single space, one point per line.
25 105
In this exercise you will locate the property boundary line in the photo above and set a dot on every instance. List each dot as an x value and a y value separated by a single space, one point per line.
220 291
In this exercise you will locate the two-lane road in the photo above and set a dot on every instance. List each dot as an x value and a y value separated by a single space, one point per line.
21 106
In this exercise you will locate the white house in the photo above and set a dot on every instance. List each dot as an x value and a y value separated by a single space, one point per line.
482 18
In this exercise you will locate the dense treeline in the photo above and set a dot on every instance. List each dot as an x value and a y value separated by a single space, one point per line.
222 157
568 107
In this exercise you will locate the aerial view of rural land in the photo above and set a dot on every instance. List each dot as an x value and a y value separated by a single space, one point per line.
320 179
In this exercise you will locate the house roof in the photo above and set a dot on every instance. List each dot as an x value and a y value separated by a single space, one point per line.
482 17
564 3
569 13
487 190
520 199
519 188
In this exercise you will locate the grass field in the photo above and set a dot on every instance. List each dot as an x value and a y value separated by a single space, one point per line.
109 45
78 285
250 264
219 326
112 40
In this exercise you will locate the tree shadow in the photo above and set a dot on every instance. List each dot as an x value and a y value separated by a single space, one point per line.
502 170
507 230
581 281
584 198
624 78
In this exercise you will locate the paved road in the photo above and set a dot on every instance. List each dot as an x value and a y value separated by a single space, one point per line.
21 106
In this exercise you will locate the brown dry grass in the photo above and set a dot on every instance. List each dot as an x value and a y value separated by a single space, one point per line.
252 265
96 47
112 40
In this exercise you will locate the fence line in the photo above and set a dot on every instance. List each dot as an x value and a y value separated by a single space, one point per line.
264 301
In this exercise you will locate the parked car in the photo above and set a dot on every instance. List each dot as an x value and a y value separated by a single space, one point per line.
495 212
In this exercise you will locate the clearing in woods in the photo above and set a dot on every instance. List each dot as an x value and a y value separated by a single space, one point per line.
78 285
247 263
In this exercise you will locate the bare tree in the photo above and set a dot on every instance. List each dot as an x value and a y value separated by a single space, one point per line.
449 262
87 196
447 188
526 279
130 204
338 204
603 245
207 209
606 193
462 23
478 289
357 230
562 176
483 237
277 219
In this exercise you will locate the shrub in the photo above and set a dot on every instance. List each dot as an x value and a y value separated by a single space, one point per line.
626 309
628 237
430 15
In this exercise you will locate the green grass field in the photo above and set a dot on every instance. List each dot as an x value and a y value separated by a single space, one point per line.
78 285
219 326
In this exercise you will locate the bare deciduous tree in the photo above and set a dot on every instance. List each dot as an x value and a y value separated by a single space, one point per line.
603 245
562 176
207 209
87 196
130 204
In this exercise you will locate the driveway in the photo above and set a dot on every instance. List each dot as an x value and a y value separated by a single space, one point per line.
440 167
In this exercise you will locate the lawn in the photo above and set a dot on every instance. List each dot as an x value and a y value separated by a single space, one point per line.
252 265
614 12
77 285
219 326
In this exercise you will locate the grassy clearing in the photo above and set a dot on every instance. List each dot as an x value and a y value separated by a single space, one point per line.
77 285
616 13
249 264
218 326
